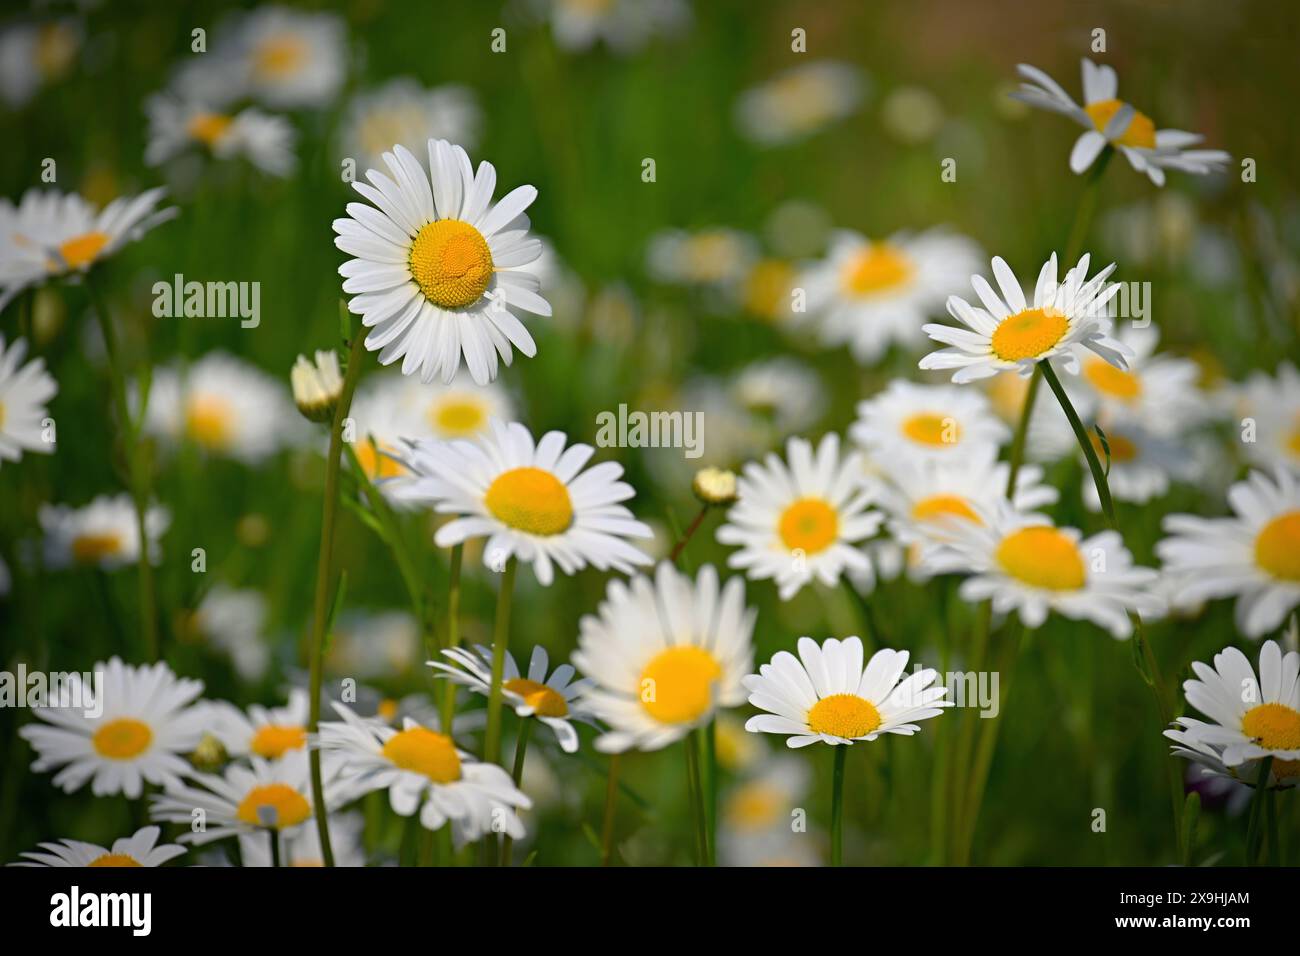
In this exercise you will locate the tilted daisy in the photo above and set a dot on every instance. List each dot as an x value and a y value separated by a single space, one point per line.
103 534
1065 320
926 422
139 849
146 722
24 392
826 695
1253 556
403 111
1271 404
177 126
267 732
871 294
1192 738
423 773
800 519
531 501
1109 120
799 102
437 267
664 656
554 700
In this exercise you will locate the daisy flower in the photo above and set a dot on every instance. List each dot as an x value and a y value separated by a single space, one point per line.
531 501
233 620
826 695
424 773
1157 391
403 111
177 126
1192 738
34 55
1273 405
146 723
24 392
872 294
622 25
301 847
139 849
553 701
717 257
926 422
266 732
374 644
664 656
103 534
437 265
1111 121
800 102
1065 320
785 392
317 385
799 519
285 58
1141 463
1254 555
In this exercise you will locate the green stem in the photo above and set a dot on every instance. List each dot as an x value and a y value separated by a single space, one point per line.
453 635
1257 811
694 526
694 785
500 638
521 749
1084 211
837 806
1022 431
611 802
1085 443
711 761
273 835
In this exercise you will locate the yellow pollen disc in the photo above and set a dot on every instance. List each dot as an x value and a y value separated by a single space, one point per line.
208 128
210 421
274 740
279 56
768 287
1141 131
878 268
376 464
677 686
941 506
451 263
1272 726
929 428
756 806
1007 391
458 417
290 806
1277 549
809 525
387 709
544 701
530 500
425 752
80 251
114 859
1121 449
122 739
1042 557
1111 381
1028 334
843 715
92 548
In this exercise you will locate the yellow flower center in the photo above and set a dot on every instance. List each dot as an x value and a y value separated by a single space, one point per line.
755 806
768 287
425 752
386 710
1111 381
273 740
1007 391
376 464
208 128
544 701
122 739
530 500
1272 726
1121 449
291 807
1277 548
279 56
451 263
114 859
677 686
458 417
1028 334
1292 440
941 506
809 525
843 715
210 421
877 268
80 251
1141 131
1042 557
93 548
930 428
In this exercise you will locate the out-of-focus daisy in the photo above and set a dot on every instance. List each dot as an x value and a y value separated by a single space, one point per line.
800 102
147 721
139 849
233 620
266 732
1065 320
24 392
1273 405
1141 463
403 111
1109 120
424 773
716 256
286 58
799 519
33 55
756 822
622 25
931 422
437 268
1253 556
177 126
460 409
870 294
301 847
782 391
531 501
374 644
317 385
663 656
1157 391
912 114
103 534
826 695
767 289
554 700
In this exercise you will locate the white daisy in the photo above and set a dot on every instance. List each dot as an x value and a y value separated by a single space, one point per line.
1254 556
800 102
716 256
826 695
286 58
403 111
1192 738
1141 463
1157 391
103 534
1109 120
783 391
437 268
233 620
34 55
1272 406
799 520
374 644
147 722
24 392
926 422
622 25
266 732
177 126
301 847
664 656
139 849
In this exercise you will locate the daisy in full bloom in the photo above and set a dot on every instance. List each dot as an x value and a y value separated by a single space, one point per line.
135 728
531 501
1254 555
826 695
34 55
800 519
177 126
267 732
103 534
139 849
424 773
403 111
929 422
664 656
284 58
800 102
554 700
301 847
1192 738
622 25
754 825
52 235
1272 404
1066 320
1111 121
437 267
871 294
24 392
1022 562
